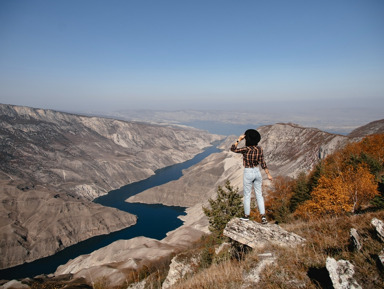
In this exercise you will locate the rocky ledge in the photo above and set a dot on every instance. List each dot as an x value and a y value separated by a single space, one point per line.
256 235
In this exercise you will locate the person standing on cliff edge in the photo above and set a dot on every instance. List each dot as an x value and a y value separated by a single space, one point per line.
252 158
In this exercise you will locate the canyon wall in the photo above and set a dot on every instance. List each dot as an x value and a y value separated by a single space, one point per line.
53 164
89 156
37 222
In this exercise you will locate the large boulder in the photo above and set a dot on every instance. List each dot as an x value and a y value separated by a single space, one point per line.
341 273
256 235
379 225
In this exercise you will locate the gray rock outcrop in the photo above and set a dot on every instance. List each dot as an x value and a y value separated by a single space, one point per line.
379 225
179 269
381 258
256 235
355 239
341 273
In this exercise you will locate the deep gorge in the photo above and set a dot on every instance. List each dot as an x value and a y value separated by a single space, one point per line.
154 221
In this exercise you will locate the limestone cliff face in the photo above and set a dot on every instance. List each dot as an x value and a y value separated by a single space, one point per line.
36 222
52 165
290 148
89 156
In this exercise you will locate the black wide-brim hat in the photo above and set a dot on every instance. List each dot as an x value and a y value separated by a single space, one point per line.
252 137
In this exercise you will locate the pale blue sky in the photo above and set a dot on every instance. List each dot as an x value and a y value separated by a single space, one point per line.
198 54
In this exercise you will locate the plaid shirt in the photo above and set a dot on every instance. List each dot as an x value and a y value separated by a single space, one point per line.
252 156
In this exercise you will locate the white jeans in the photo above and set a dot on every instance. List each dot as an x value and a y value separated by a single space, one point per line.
252 176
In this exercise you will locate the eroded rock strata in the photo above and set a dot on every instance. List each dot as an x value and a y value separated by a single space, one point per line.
53 164
37 222
89 156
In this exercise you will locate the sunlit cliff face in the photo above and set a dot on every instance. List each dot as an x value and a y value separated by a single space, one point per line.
54 163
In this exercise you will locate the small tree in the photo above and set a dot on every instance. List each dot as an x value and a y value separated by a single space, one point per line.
378 201
228 204
301 191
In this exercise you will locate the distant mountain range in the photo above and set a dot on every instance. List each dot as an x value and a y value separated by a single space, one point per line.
335 120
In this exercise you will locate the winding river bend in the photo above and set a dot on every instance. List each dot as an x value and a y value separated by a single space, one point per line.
154 221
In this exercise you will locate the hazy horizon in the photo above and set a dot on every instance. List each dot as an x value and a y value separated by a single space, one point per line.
341 119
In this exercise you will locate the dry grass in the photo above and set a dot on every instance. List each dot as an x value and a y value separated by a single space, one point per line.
224 275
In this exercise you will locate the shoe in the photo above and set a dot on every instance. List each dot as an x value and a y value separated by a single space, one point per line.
264 220
245 218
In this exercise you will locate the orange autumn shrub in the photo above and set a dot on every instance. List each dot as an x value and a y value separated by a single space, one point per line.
330 198
278 196
348 181
369 151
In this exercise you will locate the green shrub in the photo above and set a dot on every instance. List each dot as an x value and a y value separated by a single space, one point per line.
228 204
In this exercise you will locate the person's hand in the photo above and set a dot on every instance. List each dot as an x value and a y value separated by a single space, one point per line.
241 137
268 174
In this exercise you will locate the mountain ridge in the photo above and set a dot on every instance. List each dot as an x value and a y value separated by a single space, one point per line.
111 153
53 164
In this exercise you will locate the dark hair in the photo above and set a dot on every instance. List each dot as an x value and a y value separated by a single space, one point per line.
252 137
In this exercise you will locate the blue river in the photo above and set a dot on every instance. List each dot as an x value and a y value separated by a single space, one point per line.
154 221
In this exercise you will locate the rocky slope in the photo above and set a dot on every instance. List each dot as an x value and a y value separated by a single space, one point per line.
290 149
116 259
89 156
370 128
53 164
36 222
